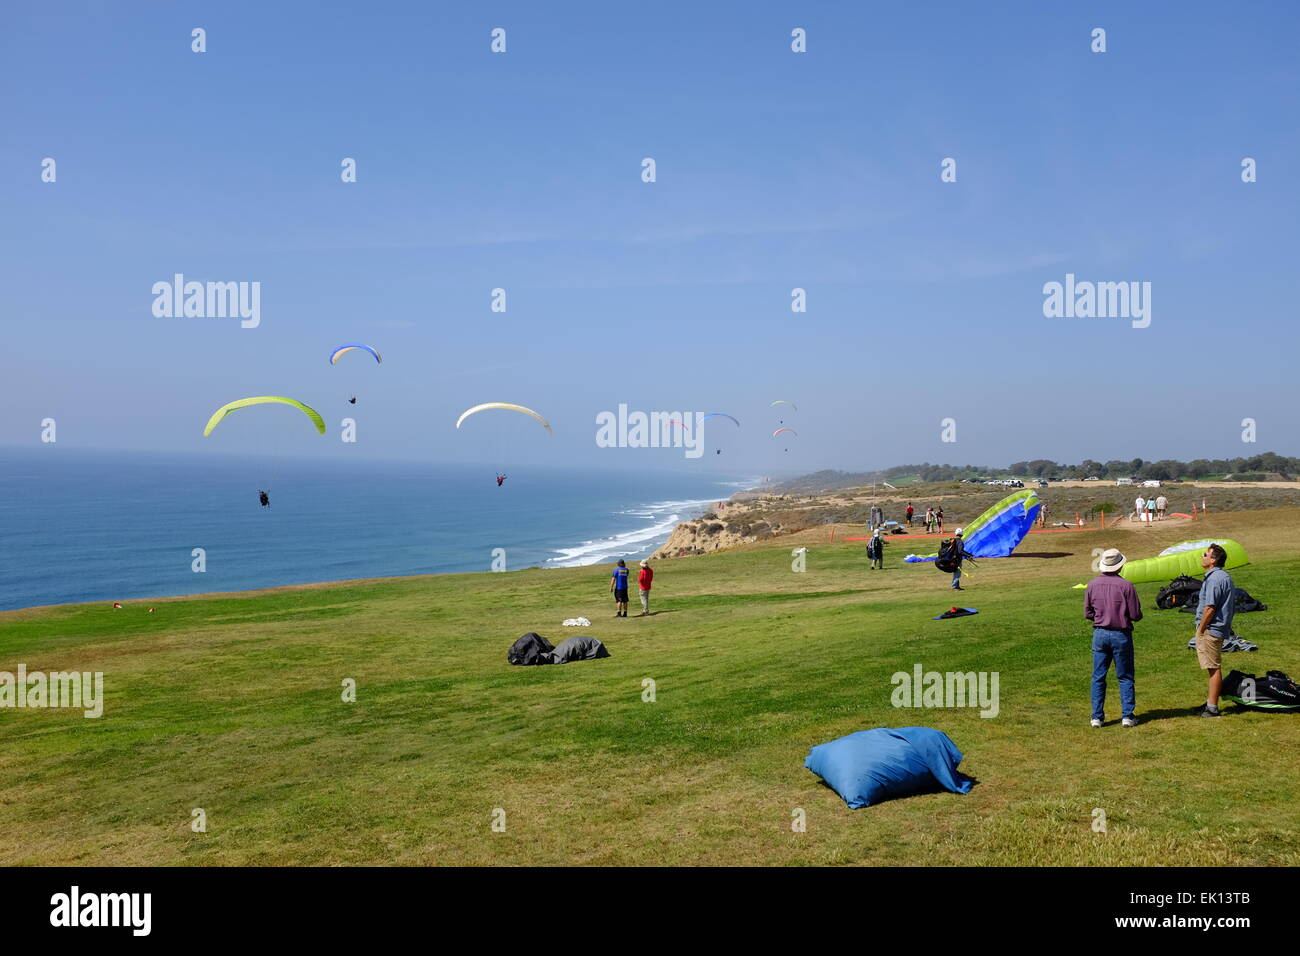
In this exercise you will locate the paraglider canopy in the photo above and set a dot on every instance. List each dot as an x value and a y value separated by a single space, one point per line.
343 349
219 415
508 407
782 401
787 429
721 415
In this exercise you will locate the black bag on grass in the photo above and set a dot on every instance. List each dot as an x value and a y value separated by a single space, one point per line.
1273 691
530 649
1182 591
579 648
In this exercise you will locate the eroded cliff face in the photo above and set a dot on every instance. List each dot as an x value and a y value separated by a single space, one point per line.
700 537
734 523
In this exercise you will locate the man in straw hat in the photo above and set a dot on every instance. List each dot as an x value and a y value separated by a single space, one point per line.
1111 603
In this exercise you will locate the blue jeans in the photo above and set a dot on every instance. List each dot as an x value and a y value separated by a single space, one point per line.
1108 645
956 578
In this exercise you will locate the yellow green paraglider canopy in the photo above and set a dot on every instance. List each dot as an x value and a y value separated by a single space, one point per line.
219 415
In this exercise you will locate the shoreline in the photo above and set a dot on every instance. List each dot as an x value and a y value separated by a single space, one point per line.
565 553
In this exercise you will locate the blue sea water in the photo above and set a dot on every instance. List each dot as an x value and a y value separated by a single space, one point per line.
87 526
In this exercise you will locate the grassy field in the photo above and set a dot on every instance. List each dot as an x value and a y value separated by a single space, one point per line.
233 704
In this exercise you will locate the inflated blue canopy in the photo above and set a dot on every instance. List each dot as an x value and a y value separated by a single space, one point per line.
997 532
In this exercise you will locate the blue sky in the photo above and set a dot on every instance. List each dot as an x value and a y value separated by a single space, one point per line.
775 170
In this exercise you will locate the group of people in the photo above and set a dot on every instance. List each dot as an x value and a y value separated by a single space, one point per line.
933 518
618 584
1151 509
951 553
1111 604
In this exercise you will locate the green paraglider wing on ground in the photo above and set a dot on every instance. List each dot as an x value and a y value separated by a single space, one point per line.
1181 558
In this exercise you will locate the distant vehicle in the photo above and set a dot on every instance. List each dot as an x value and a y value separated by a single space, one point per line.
1150 483
1092 478
1123 481
1042 482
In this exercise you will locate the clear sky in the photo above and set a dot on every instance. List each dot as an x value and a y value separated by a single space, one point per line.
776 170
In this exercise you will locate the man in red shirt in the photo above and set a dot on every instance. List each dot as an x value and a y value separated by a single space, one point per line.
1111 603
643 582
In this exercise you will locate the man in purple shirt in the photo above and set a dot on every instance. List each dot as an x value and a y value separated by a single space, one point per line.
1111 603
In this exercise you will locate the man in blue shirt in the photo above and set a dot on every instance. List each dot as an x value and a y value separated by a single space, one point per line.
618 584
1217 603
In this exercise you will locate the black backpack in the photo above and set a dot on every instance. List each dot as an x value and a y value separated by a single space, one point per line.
1182 591
875 548
530 649
1273 691
949 555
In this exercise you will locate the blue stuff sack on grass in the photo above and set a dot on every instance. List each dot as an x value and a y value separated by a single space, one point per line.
873 765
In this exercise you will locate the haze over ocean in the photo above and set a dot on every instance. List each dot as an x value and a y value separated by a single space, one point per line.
103 526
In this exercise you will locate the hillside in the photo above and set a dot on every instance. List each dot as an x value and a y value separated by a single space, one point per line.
232 704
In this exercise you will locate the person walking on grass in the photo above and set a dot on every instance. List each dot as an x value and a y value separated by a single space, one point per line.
1162 505
958 552
1140 506
1216 605
876 550
618 584
1151 511
643 579
1111 603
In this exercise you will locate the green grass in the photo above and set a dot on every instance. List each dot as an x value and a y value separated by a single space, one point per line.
232 704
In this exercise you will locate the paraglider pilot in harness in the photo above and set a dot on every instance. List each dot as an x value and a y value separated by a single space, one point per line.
264 498
951 553
876 550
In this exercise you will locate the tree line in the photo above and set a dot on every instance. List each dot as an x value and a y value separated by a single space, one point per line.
1167 469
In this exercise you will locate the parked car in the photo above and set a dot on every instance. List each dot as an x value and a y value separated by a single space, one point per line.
1092 478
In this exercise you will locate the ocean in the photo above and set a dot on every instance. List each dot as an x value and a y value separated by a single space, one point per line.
99 526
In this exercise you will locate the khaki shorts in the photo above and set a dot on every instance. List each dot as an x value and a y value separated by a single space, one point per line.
1209 651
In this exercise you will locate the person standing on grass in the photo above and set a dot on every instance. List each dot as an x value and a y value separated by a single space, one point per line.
618 584
643 579
1162 505
876 550
959 552
929 520
1216 605
938 518
1111 603
909 514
